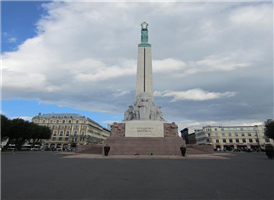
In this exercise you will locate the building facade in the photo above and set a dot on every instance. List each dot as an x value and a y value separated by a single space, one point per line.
69 130
233 137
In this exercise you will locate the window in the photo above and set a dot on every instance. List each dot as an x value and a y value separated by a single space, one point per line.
244 140
66 139
75 133
215 129
222 129
62 127
57 121
257 140
68 127
44 121
224 140
55 133
64 121
61 133
69 121
242 134
249 134
229 134
83 132
53 139
250 140
267 140
67 134
77 121
76 127
209 135
60 138
237 140
236 134
223 134
230 141
56 127
217 141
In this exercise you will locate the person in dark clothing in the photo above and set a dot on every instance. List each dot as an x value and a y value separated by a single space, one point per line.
106 149
269 151
183 150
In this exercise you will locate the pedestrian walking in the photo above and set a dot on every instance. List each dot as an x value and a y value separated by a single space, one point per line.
106 149
183 150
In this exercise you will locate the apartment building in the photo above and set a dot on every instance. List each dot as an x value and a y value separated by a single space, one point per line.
233 137
69 130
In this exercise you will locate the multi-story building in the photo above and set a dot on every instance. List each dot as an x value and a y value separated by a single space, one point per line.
69 130
233 137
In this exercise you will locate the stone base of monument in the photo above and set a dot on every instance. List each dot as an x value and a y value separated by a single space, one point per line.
199 149
144 145
89 149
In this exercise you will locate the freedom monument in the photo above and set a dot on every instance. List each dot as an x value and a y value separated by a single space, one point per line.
144 129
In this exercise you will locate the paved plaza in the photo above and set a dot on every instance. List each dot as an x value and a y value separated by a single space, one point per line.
47 175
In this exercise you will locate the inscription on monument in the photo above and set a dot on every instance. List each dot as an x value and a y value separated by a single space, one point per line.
144 129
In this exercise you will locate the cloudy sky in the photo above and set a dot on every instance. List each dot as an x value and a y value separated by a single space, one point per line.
212 62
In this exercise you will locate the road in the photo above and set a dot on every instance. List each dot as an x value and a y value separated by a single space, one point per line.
45 175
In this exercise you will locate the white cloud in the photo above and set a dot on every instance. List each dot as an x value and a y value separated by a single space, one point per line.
120 93
12 39
192 125
108 122
167 65
84 56
193 95
26 118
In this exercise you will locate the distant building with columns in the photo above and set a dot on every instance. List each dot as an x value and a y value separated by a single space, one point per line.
233 137
69 130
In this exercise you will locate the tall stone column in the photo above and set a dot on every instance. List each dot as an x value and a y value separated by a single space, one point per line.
144 81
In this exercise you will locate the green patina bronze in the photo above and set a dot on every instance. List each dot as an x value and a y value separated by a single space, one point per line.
144 36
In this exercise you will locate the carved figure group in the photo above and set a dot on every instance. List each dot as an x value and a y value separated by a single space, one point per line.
144 109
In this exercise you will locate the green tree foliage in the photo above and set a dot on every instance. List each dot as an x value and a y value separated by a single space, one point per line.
5 127
269 129
19 131
38 133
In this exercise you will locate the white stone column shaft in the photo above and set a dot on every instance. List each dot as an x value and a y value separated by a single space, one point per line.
144 80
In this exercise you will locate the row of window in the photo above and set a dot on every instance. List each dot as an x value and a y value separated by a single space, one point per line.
235 129
66 139
61 133
56 121
238 140
235 134
66 127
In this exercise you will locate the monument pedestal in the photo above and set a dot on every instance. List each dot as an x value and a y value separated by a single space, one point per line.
145 145
144 137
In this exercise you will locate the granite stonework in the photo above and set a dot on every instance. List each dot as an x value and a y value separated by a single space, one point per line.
118 130
145 145
140 128
90 149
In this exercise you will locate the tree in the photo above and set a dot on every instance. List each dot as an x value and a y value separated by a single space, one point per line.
19 132
5 127
269 128
37 133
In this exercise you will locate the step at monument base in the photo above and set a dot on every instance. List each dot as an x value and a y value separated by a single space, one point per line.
144 145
